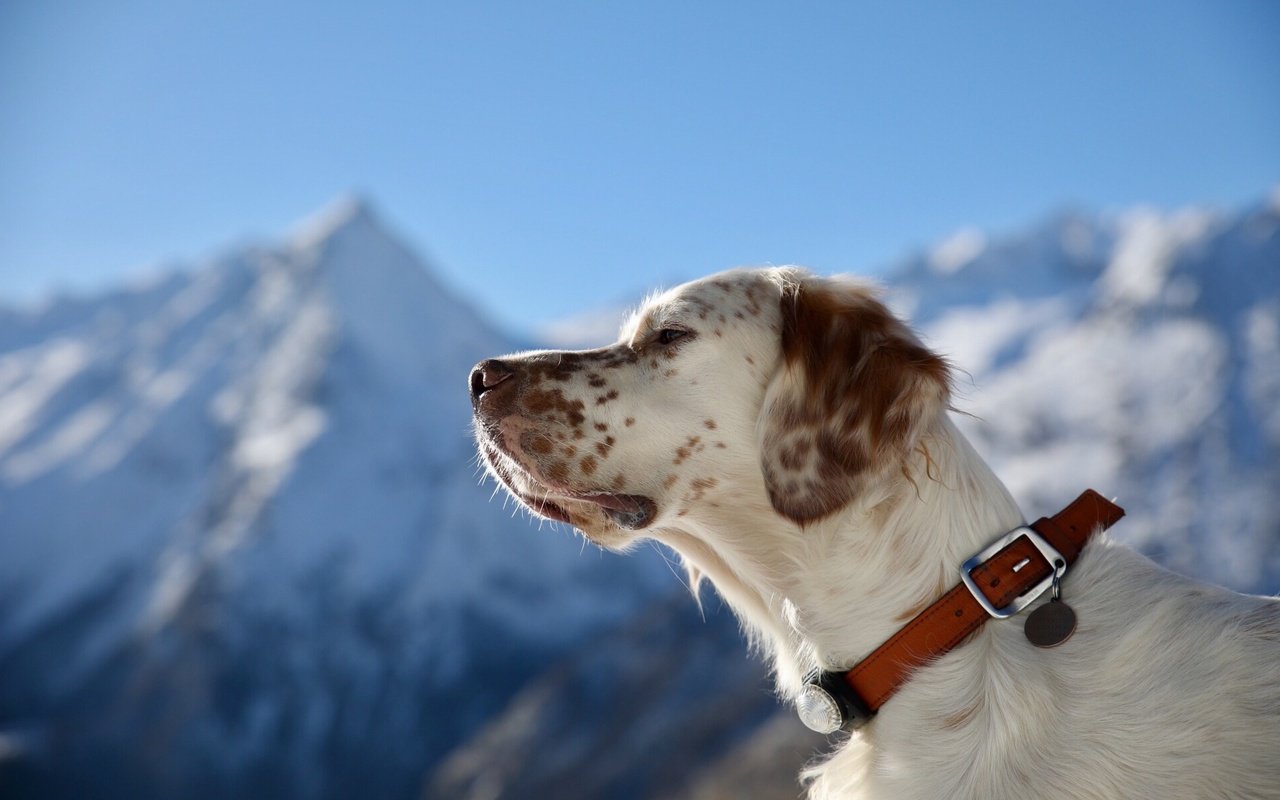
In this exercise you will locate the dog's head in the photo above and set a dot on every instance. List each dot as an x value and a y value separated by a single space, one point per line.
772 385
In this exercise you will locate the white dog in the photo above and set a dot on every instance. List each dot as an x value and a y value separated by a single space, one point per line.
788 437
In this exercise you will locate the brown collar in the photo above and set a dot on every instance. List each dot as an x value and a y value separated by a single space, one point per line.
997 582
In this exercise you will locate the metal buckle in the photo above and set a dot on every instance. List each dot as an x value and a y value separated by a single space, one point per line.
1021 601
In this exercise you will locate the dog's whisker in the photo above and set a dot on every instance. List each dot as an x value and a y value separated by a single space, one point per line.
682 578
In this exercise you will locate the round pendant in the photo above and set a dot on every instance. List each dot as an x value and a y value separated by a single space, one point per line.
818 710
1050 625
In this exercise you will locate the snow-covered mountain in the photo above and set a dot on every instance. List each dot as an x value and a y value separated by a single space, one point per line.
245 548
1139 353
245 551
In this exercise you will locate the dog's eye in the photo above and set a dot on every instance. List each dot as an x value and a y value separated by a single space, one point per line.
670 335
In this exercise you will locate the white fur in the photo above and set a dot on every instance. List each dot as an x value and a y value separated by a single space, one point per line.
1168 689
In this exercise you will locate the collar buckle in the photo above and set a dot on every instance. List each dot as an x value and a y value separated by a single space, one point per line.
1020 602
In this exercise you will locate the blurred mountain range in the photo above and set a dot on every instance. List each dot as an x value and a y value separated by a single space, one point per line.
245 549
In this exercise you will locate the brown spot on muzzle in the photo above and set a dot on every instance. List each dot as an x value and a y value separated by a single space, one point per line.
540 445
549 404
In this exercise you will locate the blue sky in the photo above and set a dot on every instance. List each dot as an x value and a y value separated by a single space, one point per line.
554 156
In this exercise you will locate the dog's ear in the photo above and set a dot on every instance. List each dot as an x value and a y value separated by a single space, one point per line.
854 391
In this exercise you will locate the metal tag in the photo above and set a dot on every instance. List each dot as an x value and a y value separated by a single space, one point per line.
1051 624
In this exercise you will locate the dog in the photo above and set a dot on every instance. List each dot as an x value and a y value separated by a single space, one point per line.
789 438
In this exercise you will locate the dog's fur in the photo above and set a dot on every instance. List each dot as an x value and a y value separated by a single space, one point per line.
788 437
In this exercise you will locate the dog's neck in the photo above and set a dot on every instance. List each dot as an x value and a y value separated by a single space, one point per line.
851 580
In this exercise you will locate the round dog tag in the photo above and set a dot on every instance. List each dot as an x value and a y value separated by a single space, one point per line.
1050 625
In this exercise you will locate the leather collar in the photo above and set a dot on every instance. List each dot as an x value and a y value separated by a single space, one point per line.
999 581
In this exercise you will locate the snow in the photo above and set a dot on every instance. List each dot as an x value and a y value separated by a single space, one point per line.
1156 383
974 338
1145 251
1099 379
29 379
343 212
1262 340
72 437
957 250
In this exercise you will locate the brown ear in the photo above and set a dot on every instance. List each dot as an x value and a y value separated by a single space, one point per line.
853 394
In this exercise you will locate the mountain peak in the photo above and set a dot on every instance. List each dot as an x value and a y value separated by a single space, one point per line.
348 212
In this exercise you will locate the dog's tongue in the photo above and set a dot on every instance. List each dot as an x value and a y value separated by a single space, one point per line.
630 511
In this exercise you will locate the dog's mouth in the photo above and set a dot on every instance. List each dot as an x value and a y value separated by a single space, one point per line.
631 512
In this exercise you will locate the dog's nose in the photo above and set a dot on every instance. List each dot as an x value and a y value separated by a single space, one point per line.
487 375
